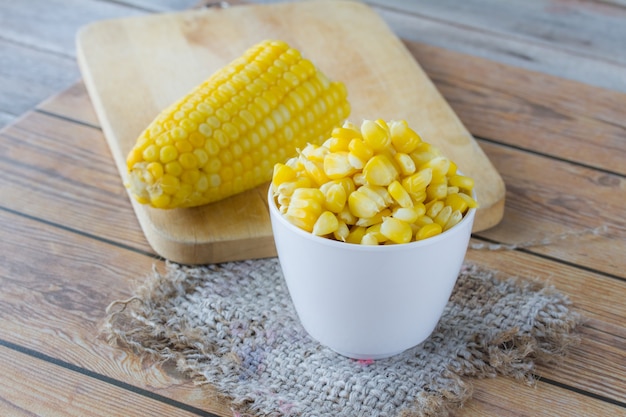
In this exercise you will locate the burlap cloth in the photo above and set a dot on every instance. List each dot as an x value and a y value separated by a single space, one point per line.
232 325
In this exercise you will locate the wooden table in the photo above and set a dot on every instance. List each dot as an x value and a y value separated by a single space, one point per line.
541 85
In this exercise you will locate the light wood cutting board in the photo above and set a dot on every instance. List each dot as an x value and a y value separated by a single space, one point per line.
135 67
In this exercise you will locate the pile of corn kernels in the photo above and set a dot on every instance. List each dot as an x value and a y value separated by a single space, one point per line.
377 184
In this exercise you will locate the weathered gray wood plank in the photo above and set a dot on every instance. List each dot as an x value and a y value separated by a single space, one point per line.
6 119
37 45
51 25
588 28
550 58
161 5
28 75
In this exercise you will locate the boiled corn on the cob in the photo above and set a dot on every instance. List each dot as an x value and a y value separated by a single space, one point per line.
377 184
226 135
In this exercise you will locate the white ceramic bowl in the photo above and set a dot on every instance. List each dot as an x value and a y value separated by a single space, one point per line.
369 302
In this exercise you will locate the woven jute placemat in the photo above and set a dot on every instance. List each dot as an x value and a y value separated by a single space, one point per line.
232 325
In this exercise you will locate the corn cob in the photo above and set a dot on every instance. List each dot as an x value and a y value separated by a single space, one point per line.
379 184
225 136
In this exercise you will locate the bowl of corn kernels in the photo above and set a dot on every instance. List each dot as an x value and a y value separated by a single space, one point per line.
371 229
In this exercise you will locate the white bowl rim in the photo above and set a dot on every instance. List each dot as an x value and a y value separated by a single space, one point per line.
364 248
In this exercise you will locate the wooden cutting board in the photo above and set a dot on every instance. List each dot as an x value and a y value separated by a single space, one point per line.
135 67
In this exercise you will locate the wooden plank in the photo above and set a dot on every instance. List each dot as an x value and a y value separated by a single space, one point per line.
164 5
31 386
6 119
56 287
72 104
196 46
38 293
58 21
546 114
512 51
580 27
62 172
505 398
28 76
547 197
603 330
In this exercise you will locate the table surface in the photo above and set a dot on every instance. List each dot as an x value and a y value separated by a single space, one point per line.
541 84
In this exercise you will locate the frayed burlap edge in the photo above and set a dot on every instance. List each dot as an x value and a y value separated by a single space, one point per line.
133 324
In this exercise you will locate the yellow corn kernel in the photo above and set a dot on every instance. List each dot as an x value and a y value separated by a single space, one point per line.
418 197
471 203
168 153
342 231
457 202
375 135
161 200
149 154
315 171
374 230
366 202
308 194
283 200
427 231
347 217
439 166
452 169
423 153
305 207
433 208
417 182
259 109
168 184
288 188
375 219
135 157
337 165
408 214
301 218
379 170
282 174
335 197
359 179
314 153
325 224
461 181
404 138
369 239
155 169
356 234
443 216
347 184
454 219
405 163
437 191
396 230
359 152
383 124
340 144
347 132
399 194
294 163
453 190
423 221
